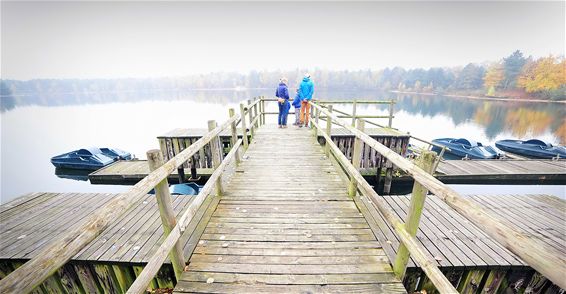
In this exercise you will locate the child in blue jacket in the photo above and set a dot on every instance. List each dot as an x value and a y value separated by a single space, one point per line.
297 105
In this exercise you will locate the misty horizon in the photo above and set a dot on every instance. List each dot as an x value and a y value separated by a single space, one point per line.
88 40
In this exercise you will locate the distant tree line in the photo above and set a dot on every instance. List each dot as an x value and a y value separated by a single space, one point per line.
512 76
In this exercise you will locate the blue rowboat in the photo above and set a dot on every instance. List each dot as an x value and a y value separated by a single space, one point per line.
533 148
89 158
461 148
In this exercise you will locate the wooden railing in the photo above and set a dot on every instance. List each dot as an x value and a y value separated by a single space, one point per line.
547 261
31 274
365 118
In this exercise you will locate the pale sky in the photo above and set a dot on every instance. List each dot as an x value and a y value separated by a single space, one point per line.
154 39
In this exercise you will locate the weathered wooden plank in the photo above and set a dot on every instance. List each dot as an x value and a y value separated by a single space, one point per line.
295 269
290 260
87 277
281 279
196 287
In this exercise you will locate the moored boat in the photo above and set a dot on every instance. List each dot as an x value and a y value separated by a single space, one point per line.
182 189
89 158
533 148
465 148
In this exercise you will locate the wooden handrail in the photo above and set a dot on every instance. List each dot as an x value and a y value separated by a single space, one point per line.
357 101
427 264
347 115
155 262
32 273
547 261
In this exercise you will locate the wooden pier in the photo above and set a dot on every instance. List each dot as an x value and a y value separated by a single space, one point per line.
279 228
282 213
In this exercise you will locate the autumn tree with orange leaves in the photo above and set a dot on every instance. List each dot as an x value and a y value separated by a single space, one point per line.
546 76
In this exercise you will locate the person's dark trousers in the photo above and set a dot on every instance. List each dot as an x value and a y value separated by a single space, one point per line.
283 113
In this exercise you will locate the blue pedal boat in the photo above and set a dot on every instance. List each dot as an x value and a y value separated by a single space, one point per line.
89 158
182 189
461 148
533 148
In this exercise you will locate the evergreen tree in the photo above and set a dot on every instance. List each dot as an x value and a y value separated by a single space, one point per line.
513 64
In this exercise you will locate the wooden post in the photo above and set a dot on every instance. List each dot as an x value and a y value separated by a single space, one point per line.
163 197
437 161
317 114
311 114
418 197
216 157
328 130
390 123
234 137
354 113
255 113
250 115
263 109
243 122
356 158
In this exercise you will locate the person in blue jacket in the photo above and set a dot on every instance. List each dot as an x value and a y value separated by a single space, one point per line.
282 94
306 89
297 105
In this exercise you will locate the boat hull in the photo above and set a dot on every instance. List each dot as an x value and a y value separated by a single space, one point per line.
89 159
462 148
532 148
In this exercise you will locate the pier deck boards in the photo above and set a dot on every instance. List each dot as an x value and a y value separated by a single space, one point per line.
286 224
457 243
26 226
522 171
129 172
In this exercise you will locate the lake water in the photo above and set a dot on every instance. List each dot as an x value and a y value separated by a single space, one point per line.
33 129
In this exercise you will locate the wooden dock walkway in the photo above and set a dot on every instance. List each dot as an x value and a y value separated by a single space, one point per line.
286 224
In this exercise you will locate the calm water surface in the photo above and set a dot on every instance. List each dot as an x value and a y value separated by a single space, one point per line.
36 128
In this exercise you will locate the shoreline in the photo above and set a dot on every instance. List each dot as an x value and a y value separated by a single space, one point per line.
481 97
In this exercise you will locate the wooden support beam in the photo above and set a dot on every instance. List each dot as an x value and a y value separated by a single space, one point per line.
234 133
166 212
255 112
261 110
328 132
356 159
390 123
216 155
544 259
418 197
354 113
243 122
250 115
388 180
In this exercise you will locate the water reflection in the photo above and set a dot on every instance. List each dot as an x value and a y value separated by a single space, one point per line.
72 174
35 128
